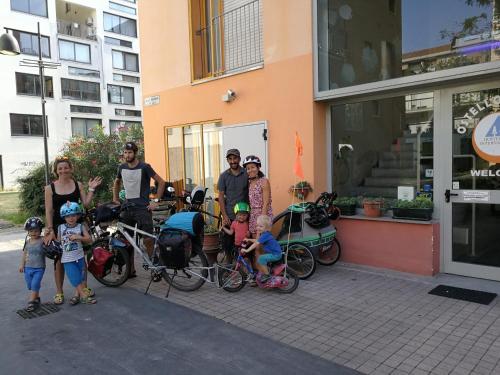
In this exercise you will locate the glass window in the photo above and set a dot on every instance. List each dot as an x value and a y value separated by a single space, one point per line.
83 72
80 90
127 112
74 51
29 84
28 43
175 158
36 7
117 125
84 109
21 124
122 8
84 127
361 42
121 94
120 25
125 78
379 145
193 156
212 152
117 42
125 61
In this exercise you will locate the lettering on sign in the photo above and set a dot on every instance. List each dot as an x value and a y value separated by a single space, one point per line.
152 100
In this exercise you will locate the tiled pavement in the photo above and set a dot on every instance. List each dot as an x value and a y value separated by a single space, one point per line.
374 321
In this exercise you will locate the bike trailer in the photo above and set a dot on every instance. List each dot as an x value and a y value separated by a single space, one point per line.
306 226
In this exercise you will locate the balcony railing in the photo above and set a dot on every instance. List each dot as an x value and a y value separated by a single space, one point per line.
76 30
233 41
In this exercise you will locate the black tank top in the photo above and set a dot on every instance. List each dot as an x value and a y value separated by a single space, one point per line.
58 200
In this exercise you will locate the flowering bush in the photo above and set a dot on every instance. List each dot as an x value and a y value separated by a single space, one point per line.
91 157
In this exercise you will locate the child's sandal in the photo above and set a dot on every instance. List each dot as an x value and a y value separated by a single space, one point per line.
75 300
88 300
59 299
89 292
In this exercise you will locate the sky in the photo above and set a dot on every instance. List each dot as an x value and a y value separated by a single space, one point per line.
424 19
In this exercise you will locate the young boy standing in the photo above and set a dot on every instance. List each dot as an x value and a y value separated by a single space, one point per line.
71 235
270 247
239 227
33 261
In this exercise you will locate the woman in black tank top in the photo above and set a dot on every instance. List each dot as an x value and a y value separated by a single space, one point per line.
64 189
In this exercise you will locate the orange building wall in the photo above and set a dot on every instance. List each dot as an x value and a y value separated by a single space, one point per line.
281 93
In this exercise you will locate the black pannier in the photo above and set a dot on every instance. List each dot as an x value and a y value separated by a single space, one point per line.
175 248
107 212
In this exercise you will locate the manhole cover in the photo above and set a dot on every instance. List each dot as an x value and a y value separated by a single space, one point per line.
44 309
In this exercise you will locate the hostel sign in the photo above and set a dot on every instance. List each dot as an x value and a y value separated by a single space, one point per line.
486 134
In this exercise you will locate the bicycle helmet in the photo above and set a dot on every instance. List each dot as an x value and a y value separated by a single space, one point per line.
53 250
70 208
252 159
33 223
241 207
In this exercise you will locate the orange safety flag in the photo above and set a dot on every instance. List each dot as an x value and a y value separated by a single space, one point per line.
297 167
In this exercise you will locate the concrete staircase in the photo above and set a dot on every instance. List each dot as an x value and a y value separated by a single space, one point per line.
396 167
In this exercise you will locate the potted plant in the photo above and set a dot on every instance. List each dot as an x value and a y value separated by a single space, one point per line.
346 205
301 189
373 206
419 208
211 246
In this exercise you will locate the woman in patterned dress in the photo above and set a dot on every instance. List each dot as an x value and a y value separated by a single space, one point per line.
259 192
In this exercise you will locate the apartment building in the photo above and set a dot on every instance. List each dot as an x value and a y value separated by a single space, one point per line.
98 82
388 96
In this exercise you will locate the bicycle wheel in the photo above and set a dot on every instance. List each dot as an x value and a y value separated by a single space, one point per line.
329 254
119 271
293 281
232 280
301 260
189 278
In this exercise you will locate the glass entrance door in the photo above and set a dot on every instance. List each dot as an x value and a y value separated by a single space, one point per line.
471 216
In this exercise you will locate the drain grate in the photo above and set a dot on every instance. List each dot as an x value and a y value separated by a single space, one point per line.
44 309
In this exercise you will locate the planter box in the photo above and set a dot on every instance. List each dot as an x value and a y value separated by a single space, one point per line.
347 209
412 213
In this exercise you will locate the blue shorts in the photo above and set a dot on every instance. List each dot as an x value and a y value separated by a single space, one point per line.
33 277
266 258
75 271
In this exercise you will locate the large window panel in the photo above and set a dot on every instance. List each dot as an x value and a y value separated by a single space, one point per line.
28 43
193 156
35 7
379 145
367 41
121 95
74 51
125 61
29 84
26 125
80 90
120 25
84 127
117 125
175 158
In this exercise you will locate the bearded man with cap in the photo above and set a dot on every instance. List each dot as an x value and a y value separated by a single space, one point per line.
232 186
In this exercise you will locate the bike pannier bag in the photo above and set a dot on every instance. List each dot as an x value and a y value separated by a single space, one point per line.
101 262
175 248
190 222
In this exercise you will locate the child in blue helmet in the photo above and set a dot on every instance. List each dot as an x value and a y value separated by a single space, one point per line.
72 234
33 261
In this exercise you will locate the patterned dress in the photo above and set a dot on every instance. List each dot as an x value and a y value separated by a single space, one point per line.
256 200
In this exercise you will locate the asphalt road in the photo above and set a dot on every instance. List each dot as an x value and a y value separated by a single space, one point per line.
127 332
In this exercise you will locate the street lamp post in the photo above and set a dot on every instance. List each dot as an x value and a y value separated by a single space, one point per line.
41 66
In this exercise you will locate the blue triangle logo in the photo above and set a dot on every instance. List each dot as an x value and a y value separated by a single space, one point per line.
495 129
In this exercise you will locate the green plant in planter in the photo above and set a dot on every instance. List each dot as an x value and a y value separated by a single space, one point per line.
418 202
345 201
210 229
301 189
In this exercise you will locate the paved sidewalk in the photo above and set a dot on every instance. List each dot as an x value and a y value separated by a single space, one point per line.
374 321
